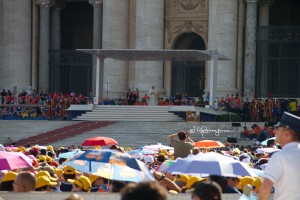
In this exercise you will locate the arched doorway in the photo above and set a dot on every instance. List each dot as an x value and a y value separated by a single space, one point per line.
188 77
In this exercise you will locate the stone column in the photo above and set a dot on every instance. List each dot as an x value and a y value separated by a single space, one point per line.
149 35
115 36
263 21
34 45
1 43
97 35
240 47
55 25
222 36
16 44
250 48
264 13
55 42
44 43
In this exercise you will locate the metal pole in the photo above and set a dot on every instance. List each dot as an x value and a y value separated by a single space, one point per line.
106 89
213 78
97 78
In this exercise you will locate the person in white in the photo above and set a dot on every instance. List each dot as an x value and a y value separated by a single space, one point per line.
152 96
282 170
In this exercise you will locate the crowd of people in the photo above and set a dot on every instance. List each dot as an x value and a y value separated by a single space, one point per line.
277 163
52 106
259 110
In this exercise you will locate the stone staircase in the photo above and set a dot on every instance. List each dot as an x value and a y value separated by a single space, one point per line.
130 113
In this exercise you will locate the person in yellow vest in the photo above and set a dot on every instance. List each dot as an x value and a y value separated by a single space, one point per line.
293 107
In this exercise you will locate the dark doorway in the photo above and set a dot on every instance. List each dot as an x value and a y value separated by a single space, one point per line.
278 51
71 70
188 77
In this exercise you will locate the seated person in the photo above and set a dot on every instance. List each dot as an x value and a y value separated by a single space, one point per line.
245 133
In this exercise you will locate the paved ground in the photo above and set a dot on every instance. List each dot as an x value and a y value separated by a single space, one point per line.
133 134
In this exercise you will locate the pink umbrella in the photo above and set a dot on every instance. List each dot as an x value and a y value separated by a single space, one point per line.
14 160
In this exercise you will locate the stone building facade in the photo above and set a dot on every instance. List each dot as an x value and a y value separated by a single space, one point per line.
39 38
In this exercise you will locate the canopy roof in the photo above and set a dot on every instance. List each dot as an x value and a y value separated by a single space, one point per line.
155 55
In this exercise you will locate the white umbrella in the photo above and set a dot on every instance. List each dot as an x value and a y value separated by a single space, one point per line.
211 163
157 147
266 141
270 149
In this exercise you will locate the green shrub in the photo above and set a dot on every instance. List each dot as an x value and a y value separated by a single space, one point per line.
229 118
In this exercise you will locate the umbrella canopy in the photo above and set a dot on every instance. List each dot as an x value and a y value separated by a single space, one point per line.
265 142
157 147
70 154
121 173
111 157
211 163
14 160
209 144
143 151
270 150
165 165
111 164
101 141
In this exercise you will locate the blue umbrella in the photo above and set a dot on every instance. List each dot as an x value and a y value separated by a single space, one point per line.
118 164
111 157
70 154
143 151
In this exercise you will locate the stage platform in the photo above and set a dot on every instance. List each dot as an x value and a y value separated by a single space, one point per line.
142 113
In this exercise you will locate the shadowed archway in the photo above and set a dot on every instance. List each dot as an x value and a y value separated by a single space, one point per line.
188 76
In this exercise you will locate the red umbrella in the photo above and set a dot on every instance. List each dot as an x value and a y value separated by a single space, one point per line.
101 141
208 144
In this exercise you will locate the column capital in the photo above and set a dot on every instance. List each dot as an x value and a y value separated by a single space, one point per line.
44 3
96 3
58 5
251 1
266 3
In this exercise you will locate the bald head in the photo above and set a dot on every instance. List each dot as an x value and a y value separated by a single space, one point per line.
25 182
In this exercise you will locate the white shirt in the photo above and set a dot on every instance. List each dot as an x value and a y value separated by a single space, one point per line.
284 171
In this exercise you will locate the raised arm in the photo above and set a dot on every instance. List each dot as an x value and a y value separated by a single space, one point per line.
171 136
265 189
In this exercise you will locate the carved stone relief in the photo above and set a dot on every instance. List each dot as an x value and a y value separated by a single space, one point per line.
185 16
189 4
175 7
176 28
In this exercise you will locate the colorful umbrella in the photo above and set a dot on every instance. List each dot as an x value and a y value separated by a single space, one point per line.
109 156
211 163
209 144
121 173
118 164
143 151
14 160
111 171
101 141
